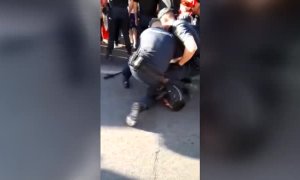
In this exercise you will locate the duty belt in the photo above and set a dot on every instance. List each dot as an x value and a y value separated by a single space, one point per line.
137 62
136 59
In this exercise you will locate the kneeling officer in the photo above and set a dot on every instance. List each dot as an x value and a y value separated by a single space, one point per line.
149 64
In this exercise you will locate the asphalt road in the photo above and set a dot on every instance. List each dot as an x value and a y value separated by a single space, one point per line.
165 145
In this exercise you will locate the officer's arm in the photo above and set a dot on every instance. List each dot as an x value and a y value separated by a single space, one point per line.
189 51
189 43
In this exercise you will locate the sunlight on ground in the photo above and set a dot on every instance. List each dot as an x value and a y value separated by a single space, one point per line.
142 155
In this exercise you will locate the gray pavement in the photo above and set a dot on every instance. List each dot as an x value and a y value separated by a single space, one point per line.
165 145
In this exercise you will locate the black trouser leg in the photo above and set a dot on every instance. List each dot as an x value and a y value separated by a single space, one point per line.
101 24
126 73
125 32
149 99
153 78
117 36
112 32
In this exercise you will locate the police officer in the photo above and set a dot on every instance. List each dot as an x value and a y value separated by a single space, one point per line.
119 20
149 63
188 39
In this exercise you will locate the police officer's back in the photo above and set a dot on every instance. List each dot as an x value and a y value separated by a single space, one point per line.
159 46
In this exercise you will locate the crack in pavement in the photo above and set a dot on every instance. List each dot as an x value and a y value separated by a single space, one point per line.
155 164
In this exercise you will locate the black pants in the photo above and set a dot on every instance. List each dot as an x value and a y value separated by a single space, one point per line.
126 73
119 20
152 78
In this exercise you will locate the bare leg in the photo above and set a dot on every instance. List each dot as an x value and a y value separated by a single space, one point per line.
134 37
131 35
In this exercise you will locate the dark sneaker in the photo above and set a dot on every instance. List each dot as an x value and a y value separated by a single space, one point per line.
132 117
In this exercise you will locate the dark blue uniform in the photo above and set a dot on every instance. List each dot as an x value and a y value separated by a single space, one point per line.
156 50
159 46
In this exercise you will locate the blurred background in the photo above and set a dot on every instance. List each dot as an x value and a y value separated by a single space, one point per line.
50 84
249 89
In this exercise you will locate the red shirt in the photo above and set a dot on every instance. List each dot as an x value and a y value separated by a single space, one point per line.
188 5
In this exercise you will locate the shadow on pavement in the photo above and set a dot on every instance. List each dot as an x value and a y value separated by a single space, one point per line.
109 175
180 131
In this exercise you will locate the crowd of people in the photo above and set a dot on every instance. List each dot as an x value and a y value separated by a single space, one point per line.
133 17
162 39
